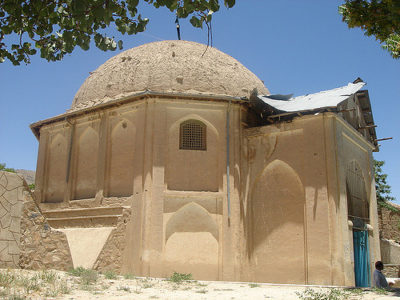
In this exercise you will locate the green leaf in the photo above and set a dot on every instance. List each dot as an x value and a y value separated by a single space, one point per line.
196 22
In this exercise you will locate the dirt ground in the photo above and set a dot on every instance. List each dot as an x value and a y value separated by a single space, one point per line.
88 284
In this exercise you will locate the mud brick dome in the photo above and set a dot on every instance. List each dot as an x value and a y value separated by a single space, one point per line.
169 66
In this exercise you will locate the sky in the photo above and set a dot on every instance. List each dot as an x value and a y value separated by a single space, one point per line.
294 46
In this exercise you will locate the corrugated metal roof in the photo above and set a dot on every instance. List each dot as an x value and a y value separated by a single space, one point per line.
324 99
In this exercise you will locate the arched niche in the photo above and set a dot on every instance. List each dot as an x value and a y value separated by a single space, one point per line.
192 243
277 217
86 159
120 159
357 199
191 218
193 170
56 169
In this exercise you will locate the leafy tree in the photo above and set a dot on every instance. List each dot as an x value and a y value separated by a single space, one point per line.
56 27
380 18
382 187
3 168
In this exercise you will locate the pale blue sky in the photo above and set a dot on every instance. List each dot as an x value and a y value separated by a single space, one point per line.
294 46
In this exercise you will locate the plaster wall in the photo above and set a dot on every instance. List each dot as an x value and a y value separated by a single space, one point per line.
285 204
353 148
294 194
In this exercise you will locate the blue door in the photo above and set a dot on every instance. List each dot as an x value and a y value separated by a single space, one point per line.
361 258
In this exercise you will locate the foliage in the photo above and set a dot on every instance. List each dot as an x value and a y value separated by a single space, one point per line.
110 274
380 18
3 166
382 187
31 186
331 294
20 285
179 277
87 276
380 291
57 27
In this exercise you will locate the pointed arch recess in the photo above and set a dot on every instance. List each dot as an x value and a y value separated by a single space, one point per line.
278 206
191 218
56 170
120 165
86 164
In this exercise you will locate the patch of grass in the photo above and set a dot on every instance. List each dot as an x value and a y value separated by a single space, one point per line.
129 276
48 276
355 291
77 272
254 285
110 274
380 291
180 277
153 297
202 291
332 294
29 284
6 279
87 276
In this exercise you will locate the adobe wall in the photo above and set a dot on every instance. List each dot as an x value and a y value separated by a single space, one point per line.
128 156
294 200
26 239
352 149
286 205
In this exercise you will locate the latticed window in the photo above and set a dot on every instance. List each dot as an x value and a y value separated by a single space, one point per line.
192 135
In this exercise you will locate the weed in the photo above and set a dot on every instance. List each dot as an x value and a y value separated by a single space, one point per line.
332 294
202 291
129 276
380 291
254 285
153 297
29 283
64 288
355 291
48 276
87 276
6 279
179 277
77 272
110 274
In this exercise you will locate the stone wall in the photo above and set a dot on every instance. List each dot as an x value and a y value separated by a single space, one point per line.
26 239
11 206
110 257
389 223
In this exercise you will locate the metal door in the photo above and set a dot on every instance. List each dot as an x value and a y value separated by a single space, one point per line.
361 258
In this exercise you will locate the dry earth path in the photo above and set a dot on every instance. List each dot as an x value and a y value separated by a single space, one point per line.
88 284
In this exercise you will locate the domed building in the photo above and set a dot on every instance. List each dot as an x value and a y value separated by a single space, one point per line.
175 157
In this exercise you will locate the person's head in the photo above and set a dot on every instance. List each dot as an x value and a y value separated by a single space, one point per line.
379 265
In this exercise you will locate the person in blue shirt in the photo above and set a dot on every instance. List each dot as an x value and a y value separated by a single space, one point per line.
379 278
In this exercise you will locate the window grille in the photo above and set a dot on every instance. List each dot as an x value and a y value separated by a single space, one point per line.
192 135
